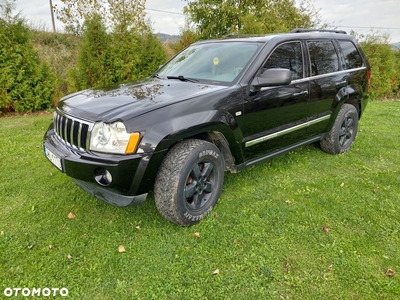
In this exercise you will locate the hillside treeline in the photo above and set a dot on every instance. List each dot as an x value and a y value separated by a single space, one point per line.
38 68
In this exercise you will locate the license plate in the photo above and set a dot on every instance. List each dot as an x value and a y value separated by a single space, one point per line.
53 158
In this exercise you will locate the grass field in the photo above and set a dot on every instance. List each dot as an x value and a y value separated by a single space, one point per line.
306 225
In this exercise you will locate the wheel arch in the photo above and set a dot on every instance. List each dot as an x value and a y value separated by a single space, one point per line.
357 96
219 134
356 103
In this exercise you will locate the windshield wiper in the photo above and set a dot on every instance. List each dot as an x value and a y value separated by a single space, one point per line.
182 78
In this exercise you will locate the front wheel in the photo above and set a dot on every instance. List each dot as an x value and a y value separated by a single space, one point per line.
189 181
343 132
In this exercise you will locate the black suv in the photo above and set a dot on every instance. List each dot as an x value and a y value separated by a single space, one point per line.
217 105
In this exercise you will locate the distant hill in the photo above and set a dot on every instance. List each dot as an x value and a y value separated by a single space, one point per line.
167 37
395 45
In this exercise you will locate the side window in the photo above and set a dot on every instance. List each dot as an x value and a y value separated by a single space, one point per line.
323 57
352 57
287 56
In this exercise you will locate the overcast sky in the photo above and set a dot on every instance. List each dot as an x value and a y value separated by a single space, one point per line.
359 15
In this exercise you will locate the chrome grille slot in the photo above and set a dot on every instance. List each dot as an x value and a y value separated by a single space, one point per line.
72 131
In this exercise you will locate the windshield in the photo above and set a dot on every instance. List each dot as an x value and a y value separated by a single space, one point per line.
217 62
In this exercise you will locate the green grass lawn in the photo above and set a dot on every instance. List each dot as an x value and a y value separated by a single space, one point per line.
306 225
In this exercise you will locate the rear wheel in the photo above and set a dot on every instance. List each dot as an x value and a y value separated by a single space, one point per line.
189 181
343 132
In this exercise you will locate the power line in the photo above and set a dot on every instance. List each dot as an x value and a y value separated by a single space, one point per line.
366 27
164 11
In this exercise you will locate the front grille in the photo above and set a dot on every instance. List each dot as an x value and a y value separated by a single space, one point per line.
72 131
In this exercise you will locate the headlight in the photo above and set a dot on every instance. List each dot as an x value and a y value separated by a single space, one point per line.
113 138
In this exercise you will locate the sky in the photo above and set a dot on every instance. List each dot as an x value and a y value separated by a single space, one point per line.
167 16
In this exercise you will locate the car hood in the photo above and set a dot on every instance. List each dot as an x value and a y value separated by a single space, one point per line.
130 100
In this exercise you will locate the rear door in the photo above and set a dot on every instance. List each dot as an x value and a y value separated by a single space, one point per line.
328 82
357 68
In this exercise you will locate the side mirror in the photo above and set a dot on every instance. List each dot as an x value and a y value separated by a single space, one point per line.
271 77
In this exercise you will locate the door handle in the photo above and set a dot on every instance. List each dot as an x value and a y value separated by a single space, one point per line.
300 93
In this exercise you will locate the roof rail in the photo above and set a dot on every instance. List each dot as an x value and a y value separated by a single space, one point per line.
240 35
299 30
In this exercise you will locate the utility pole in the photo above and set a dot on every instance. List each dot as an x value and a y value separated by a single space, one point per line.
52 16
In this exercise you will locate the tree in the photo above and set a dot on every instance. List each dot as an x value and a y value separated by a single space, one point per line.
153 54
94 62
117 14
122 55
217 18
26 83
118 44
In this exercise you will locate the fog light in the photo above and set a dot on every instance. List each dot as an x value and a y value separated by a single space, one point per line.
103 176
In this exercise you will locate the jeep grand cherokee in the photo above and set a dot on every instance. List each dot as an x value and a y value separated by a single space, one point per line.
217 105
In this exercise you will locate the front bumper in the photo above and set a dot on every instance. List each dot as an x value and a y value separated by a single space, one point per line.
126 171
109 196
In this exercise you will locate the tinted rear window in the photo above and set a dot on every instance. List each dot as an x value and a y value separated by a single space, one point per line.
323 57
351 55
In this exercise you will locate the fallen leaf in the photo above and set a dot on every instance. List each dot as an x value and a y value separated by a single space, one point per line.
71 215
216 272
286 265
138 227
121 249
390 272
30 247
69 256
187 248
197 234
326 229
342 184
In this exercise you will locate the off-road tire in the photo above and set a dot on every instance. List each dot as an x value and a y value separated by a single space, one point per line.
189 181
343 132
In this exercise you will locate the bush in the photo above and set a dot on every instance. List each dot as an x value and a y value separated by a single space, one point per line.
120 56
384 63
26 83
152 54
396 83
94 62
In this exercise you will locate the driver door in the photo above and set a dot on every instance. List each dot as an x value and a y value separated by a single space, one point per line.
273 115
